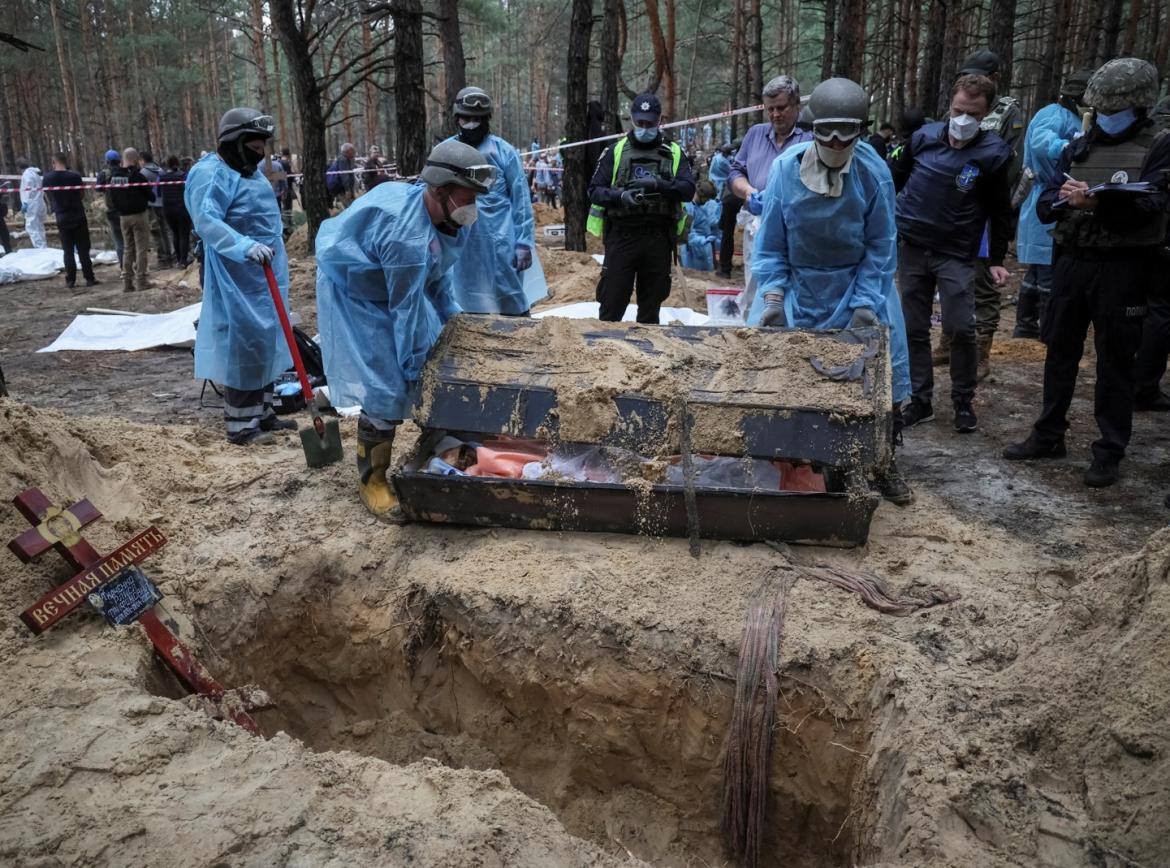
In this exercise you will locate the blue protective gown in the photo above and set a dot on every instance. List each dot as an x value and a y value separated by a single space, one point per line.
1050 130
830 256
383 295
718 171
483 279
239 342
697 252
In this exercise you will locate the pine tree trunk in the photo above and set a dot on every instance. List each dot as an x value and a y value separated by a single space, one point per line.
371 92
830 39
755 35
736 64
308 99
1001 37
576 200
931 97
454 63
409 85
283 131
74 133
611 64
256 37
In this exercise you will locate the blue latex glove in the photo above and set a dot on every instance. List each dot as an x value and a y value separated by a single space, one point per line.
260 253
522 261
755 203
24 207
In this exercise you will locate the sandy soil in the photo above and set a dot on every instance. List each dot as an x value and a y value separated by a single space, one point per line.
455 696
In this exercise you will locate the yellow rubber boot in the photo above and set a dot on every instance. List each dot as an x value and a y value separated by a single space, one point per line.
373 459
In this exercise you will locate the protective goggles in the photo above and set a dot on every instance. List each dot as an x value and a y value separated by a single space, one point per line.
475 101
484 174
264 125
841 129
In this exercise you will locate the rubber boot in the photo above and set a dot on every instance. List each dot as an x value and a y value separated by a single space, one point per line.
373 459
983 364
942 352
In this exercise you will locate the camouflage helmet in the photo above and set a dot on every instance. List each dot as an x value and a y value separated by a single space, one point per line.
1128 82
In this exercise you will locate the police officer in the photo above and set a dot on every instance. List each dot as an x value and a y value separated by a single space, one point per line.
239 342
953 178
1106 254
636 198
1006 120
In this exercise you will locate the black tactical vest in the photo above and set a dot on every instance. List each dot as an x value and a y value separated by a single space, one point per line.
1123 162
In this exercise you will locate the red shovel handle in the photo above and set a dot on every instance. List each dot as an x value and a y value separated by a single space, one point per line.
288 333
318 422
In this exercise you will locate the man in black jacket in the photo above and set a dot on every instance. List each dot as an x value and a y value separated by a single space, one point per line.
130 195
69 209
953 179
636 198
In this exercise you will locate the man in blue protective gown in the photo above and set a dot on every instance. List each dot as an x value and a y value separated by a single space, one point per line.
498 272
1053 127
239 342
384 291
702 240
825 255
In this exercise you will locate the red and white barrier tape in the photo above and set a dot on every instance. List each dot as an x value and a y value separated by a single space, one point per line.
671 125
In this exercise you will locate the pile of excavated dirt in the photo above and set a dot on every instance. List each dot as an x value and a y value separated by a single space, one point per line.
441 690
467 696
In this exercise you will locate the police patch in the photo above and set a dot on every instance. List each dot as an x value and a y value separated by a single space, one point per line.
965 180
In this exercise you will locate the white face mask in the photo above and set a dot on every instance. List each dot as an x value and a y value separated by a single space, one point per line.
963 128
468 124
834 159
464 215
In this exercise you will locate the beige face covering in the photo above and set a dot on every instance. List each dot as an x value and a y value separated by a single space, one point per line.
826 180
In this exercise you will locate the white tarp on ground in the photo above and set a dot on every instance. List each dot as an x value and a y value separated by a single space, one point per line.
591 309
115 332
39 263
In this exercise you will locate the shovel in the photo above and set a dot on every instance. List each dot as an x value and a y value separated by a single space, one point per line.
322 445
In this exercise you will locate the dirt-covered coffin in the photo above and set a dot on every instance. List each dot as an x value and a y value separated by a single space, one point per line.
774 431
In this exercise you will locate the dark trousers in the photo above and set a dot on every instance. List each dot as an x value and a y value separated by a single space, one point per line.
987 300
635 251
1150 365
731 206
920 273
247 411
114 221
1035 290
1108 291
179 223
75 236
5 238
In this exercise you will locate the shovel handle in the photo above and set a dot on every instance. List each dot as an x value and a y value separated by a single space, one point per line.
292 341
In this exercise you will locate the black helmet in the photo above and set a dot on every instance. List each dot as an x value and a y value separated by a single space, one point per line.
453 162
244 121
472 102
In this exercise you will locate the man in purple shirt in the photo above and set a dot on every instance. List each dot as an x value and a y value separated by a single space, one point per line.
763 144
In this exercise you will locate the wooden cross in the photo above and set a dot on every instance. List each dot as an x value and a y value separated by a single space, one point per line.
54 527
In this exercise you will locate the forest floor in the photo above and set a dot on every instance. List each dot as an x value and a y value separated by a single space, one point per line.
457 696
